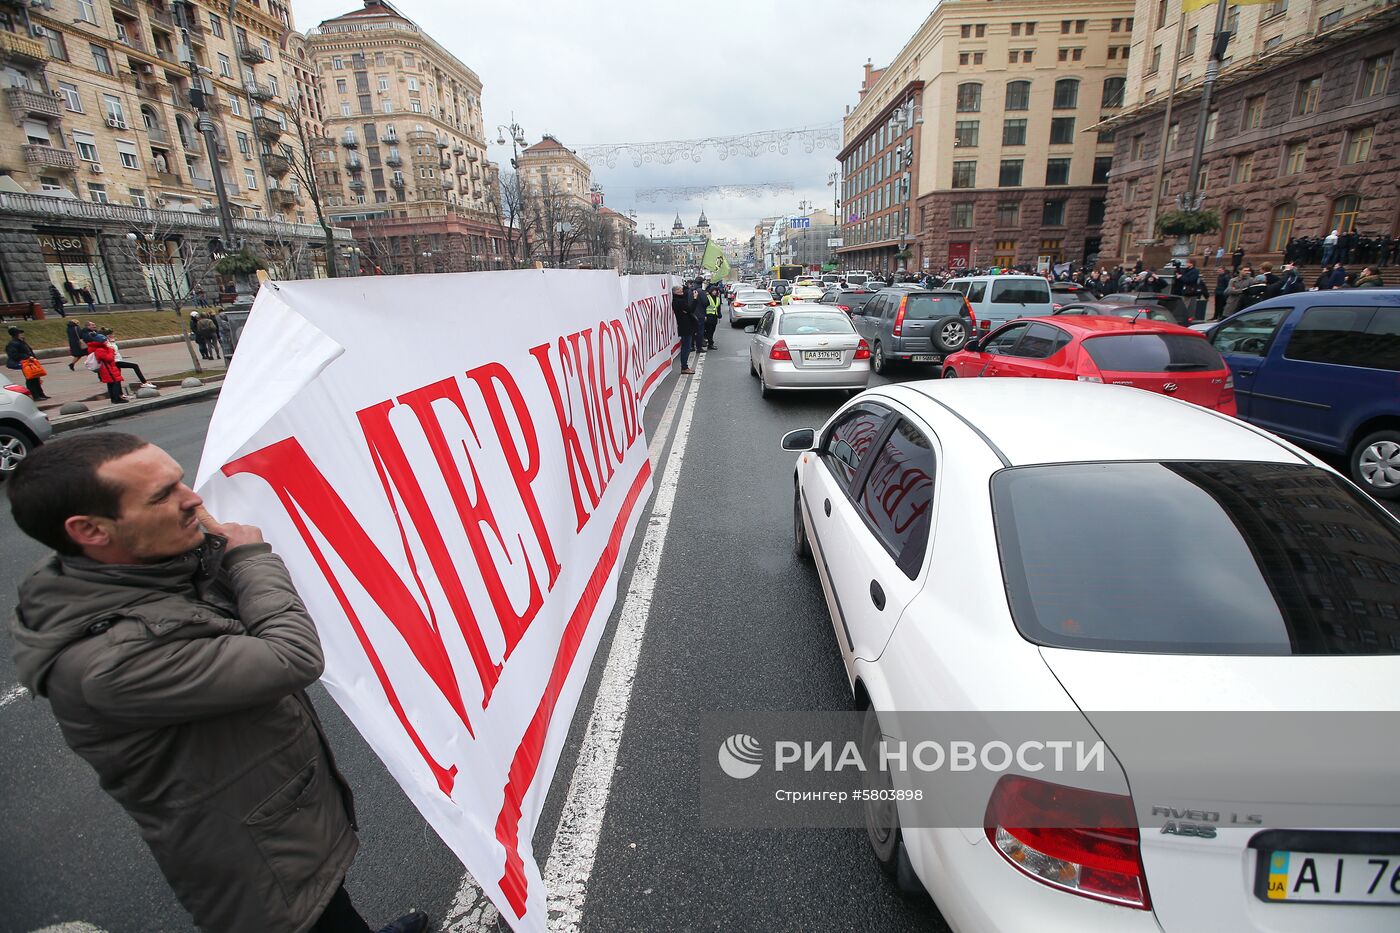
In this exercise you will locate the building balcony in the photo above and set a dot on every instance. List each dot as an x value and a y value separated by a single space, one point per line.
133 40
357 184
203 184
276 165
25 103
267 128
258 91
441 143
285 197
471 157
349 142
49 157
19 48
445 164
250 55
150 89
158 135
459 150
169 179
432 193
354 164
393 160
129 5
163 19
166 55
421 138
321 143
396 182
392 138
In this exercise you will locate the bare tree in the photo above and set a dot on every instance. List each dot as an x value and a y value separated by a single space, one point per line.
303 169
171 268
560 218
513 203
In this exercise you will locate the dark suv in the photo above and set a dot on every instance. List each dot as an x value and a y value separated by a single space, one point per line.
914 326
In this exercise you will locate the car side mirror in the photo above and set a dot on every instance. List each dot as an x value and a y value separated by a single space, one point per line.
751 329
973 345
801 439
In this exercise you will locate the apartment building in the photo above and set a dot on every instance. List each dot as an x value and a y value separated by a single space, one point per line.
402 159
103 142
972 147
1298 136
551 168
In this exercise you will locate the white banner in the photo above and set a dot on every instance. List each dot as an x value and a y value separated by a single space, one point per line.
452 466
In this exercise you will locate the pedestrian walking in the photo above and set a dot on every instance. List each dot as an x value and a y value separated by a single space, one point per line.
20 355
122 363
175 654
714 305
210 331
685 325
108 372
77 348
56 299
86 293
200 298
198 337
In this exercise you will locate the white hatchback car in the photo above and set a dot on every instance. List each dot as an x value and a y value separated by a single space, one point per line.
807 346
1081 549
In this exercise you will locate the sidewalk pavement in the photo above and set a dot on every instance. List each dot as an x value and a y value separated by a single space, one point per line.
158 364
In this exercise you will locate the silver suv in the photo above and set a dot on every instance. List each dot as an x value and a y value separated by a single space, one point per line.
913 325
22 425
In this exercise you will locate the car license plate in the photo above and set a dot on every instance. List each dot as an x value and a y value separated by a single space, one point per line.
925 358
1330 876
812 356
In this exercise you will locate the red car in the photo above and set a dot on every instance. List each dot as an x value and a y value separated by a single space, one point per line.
1152 355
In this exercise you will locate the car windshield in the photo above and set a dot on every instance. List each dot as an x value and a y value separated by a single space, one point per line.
932 307
814 322
1153 353
1029 291
1110 556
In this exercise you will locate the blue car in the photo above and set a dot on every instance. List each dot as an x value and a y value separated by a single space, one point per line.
1322 369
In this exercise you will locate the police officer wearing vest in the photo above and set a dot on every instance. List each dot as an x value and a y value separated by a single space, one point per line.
714 304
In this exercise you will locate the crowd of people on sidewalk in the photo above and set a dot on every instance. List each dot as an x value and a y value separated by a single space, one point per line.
698 309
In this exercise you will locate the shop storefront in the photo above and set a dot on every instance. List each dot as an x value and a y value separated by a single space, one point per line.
74 262
164 268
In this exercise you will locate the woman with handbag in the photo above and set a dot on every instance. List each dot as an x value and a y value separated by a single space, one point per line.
19 355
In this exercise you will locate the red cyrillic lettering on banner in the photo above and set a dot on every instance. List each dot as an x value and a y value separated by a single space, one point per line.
527 754
585 365
573 450
607 392
522 470
302 490
626 356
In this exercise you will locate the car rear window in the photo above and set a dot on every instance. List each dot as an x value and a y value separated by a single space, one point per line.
814 322
1153 353
932 307
1030 291
1361 336
1234 558
854 300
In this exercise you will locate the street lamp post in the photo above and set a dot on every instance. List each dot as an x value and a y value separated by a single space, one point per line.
517 139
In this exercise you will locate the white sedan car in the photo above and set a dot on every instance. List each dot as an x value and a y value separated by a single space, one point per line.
807 293
1092 551
807 346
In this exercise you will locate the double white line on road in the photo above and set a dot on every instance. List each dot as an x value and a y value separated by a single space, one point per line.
575 845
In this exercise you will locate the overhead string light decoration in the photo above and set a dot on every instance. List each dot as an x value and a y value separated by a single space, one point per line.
699 192
664 152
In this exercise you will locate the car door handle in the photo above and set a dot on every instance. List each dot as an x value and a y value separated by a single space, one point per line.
877 595
826 506
1243 373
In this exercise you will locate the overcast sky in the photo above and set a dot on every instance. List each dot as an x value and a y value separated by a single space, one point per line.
631 71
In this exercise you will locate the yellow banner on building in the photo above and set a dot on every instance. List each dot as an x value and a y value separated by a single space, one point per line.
714 261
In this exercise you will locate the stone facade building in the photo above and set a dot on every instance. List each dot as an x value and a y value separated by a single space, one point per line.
1299 138
402 159
101 140
972 147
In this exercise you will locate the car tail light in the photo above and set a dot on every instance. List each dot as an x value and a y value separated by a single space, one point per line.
862 351
1081 841
780 351
844 308
19 390
738 304
899 317
1227 392
1086 371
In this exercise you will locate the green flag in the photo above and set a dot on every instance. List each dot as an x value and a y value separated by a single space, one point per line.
715 261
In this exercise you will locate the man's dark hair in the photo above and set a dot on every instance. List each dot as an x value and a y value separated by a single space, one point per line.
59 480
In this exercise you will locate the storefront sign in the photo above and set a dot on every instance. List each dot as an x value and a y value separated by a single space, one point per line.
456 524
959 255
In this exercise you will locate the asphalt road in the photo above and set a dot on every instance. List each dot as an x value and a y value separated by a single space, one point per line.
736 623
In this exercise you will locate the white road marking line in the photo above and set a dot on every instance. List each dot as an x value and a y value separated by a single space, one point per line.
575 845
72 926
470 910
17 692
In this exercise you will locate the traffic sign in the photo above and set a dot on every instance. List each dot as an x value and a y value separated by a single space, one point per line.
796 222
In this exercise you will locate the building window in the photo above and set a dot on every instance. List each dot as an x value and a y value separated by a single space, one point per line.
1005 254
250 179
1102 165
964 58
1173 135
1018 95
1309 90
100 59
1281 226
1358 148
1212 119
1328 20
1277 8
1166 190
112 106
1234 230
1011 171
127 153
1130 190
1052 248
225 66
1253 112
1135 148
1057 171
1009 214
1113 91
1096 211
342 86
1295 158
977 57
413 84
416 106
1188 48
965 174
1066 94
97 192
235 104
962 216
1061 131
1375 75
71 99
1242 170
1065 25
388 106
1161 14
965 132
1106 136
383 83
1156 64
87 148
344 108
1125 240
969 97
1112 52
54 40
216 25
1344 211
1013 132
338 63
138 197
